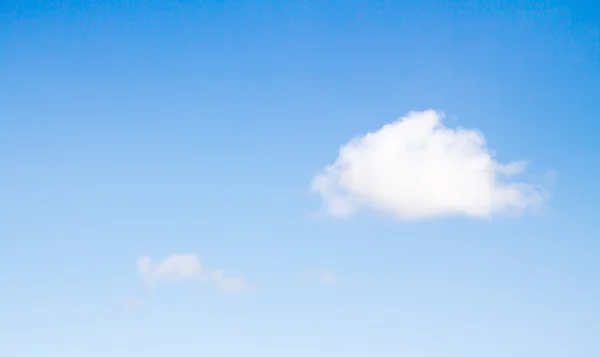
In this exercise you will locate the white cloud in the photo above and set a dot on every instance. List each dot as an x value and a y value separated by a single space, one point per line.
176 267
181 267
416 168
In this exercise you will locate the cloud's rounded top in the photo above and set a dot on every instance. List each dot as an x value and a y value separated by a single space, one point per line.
416 167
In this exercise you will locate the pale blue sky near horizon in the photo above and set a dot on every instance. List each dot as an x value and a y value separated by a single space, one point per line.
195 127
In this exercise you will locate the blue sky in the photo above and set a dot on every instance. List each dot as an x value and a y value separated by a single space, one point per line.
157 160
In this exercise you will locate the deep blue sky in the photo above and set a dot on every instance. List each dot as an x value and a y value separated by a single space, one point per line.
162 127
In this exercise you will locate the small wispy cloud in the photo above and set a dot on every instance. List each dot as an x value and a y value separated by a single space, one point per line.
186 267
177 267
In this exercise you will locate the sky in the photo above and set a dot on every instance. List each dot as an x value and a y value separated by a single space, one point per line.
300 178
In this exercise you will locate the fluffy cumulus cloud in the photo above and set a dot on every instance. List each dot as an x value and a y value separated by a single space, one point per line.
416 167
183 267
